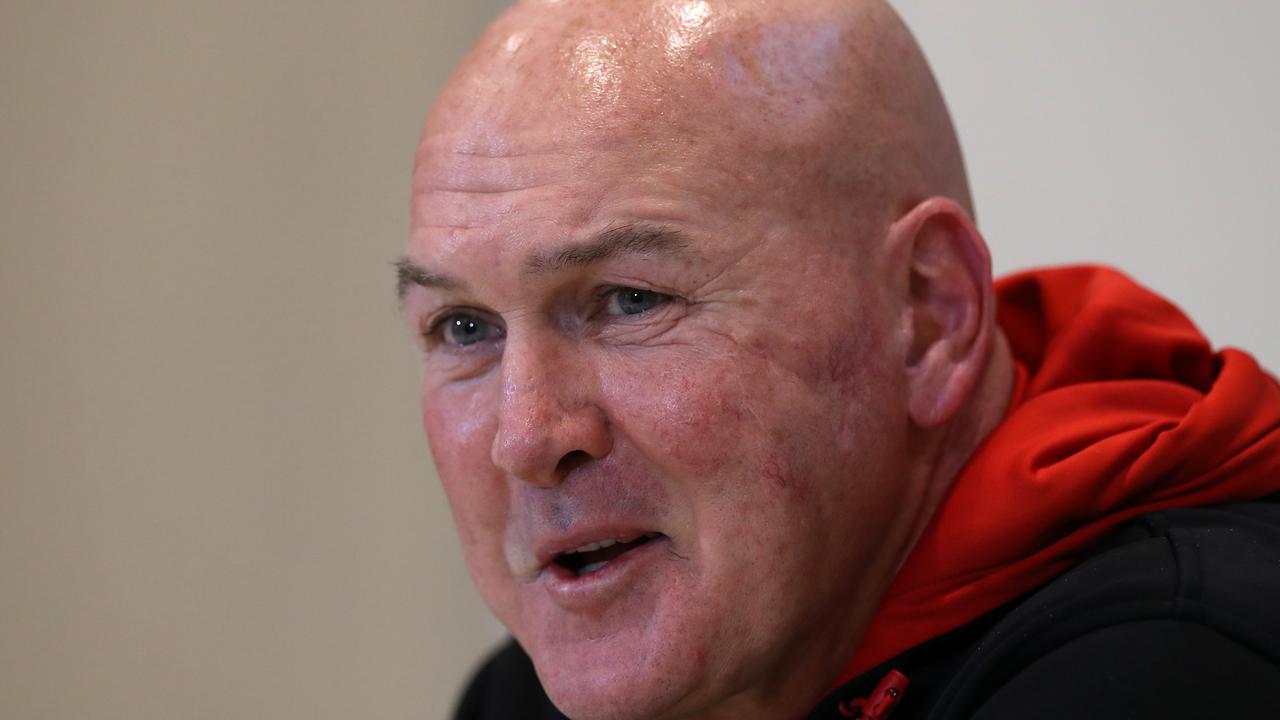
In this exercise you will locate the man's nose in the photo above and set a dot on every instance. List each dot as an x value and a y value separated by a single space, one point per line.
549 421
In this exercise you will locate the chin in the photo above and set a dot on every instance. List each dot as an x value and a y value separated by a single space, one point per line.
620 693
618 676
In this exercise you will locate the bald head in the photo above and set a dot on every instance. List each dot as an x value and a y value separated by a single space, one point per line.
832 96
696 275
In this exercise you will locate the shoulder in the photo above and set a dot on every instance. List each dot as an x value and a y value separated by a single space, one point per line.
506 688
1168 669
1174 617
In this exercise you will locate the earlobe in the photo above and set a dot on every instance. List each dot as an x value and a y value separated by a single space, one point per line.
950 304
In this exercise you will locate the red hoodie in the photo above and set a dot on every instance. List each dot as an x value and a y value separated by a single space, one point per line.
1120 408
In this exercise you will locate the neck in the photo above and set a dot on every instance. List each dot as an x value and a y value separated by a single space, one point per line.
959 438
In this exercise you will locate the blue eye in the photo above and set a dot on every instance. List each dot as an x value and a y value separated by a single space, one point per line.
633 301
462 329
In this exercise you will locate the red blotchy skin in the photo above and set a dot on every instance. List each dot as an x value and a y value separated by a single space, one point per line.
774 473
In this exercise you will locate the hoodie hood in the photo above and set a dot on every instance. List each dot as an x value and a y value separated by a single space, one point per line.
1120 408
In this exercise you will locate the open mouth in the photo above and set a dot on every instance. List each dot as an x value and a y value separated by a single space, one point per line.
594 556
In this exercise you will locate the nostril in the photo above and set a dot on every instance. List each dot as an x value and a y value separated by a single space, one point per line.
571 461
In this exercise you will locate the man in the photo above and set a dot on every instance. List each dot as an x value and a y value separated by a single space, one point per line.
730 417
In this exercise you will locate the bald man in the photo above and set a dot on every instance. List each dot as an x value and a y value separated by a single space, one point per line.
734 423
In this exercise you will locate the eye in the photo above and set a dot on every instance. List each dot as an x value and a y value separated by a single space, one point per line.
463 329
634 301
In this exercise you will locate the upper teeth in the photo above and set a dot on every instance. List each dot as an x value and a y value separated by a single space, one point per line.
607 543
594 546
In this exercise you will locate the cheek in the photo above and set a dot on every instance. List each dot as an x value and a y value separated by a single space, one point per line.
696 416
460 424
723 430
460 434
773 440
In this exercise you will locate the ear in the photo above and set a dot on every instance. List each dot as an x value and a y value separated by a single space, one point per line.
944 269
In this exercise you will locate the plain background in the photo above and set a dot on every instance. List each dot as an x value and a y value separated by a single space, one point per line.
215 500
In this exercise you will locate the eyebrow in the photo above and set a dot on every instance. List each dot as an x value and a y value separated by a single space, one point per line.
631 238
408 275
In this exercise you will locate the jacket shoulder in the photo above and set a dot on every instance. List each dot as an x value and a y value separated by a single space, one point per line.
1175 603
1168 669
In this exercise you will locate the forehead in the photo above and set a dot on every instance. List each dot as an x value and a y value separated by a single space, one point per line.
479 211
561 111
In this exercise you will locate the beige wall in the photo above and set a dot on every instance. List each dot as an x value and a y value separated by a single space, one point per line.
215 501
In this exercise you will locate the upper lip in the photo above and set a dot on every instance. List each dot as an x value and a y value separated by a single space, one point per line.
548 548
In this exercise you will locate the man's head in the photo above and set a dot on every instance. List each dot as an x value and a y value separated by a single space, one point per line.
699 277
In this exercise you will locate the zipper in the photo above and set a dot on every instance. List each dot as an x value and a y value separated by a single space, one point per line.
881 703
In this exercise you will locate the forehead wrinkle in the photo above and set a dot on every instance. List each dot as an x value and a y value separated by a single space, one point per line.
631 238
438 167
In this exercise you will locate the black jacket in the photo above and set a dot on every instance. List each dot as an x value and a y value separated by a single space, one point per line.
1175 617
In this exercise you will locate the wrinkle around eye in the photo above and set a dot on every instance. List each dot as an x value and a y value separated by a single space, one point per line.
447 365
644 328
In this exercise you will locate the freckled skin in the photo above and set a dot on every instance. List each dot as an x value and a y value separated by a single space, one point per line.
760 419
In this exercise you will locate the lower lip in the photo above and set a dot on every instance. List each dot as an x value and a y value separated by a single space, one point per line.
595 589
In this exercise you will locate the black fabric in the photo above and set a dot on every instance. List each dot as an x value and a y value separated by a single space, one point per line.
1167 669
1176 616
1207 578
